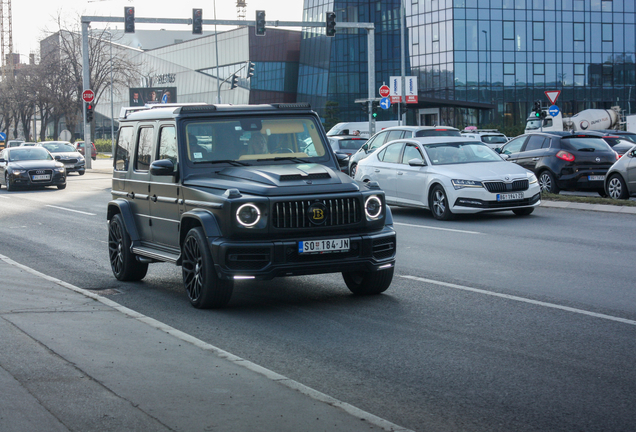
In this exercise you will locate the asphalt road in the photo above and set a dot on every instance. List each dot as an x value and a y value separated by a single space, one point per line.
493 323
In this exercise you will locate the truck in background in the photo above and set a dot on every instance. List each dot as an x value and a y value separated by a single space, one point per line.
348 128
630 123
590 119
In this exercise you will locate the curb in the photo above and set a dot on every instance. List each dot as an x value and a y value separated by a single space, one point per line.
607 208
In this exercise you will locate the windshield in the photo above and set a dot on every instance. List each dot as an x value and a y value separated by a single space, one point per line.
437 132
29 153
58 147
494 139
533 124
455 153
254 140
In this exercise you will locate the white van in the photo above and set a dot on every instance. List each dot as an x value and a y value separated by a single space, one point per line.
363 127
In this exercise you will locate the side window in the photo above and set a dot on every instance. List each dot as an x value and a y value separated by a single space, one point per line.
144 149
395 134
535 142
514 146
392 153
124 145
546 143
377 141
167 144
411 152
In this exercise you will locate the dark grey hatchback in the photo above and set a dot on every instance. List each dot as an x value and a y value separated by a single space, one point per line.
571 161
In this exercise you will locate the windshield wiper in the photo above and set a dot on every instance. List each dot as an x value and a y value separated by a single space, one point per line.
587 149
292 158
230 161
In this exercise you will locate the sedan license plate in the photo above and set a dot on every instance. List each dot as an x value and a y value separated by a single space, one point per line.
510 196
596 178
41 177
323 246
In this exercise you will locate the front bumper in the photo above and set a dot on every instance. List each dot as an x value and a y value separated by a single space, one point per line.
267 260
26 179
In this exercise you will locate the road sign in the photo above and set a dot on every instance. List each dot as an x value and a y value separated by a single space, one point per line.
3 136
385 91
554 110
385 103
553 95
88 95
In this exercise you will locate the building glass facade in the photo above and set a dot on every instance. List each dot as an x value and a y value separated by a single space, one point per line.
478 62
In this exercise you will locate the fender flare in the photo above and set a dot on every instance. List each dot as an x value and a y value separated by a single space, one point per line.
198 217
122 207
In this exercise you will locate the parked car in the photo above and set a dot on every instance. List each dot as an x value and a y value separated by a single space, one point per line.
66 153
344 146
623 134
491 137
30 167
397 132
574 161
620 182
14 143
79 145
28 144
448 176
619 143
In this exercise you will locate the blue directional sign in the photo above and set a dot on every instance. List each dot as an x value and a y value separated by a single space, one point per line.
385 103
554 111
3 136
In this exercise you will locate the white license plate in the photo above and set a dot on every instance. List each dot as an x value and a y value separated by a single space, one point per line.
322 246
41 177
510 196
596 178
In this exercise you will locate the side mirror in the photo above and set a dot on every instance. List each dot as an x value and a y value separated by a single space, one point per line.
365 147
498 150
163 167
57 158
417 162
504 156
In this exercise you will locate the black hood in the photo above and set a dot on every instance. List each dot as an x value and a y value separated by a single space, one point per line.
35 164
284 179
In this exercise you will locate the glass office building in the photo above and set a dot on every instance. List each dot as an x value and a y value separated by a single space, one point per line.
478 62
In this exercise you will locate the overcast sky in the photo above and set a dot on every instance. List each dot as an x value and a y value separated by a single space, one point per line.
35 19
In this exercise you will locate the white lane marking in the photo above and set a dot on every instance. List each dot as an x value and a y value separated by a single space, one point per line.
437 228
4 197
283 380
71 210
524 300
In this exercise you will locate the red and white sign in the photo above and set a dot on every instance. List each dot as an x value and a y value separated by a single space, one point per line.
88 95
385 91
396 89
553 95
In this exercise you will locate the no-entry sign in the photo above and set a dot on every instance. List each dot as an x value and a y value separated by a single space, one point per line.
88 95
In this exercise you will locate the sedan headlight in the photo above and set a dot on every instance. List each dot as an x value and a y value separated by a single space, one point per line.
460 184
17 172
532 179
248 215
59 169
373 207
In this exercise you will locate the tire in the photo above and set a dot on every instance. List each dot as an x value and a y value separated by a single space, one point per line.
122 261
368 283
616 187
81 172
62 186
547 182
353 170
438 204
204 288
10 186
523 211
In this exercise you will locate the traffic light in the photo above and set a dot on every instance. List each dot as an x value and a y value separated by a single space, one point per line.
365 107
375 107
537 109
129 19
89 111
197 21
330 22
260 23
250 70
234 82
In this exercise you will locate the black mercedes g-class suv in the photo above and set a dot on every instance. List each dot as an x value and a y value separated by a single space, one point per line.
241 192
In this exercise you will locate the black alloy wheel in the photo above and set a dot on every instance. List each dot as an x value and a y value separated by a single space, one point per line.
368 283
204 288
122 261
616 187
438 204
9 183
547 182
352 171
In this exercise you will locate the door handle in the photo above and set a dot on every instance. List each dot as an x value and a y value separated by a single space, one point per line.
377 170
400 173
535 159
153 198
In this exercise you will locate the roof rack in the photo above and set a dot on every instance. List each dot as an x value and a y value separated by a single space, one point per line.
126 111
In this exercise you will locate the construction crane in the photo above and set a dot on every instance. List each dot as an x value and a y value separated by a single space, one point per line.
6 39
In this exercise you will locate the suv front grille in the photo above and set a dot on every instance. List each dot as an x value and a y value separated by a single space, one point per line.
517 185
295 214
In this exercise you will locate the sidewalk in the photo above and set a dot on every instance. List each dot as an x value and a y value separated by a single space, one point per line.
71 360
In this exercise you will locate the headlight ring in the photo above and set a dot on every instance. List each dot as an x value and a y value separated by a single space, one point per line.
248 215
373 207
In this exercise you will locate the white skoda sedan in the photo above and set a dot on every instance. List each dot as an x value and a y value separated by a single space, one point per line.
448 176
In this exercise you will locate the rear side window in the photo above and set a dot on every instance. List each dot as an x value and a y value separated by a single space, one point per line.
124 145
437 132
580 143
394 135
144 149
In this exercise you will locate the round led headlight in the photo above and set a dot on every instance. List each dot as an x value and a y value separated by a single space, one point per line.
373 207
248 215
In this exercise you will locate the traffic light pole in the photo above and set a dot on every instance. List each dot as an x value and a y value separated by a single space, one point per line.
86 84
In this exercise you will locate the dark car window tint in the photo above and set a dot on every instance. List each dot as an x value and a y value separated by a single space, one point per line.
144 149
437 132
392 153
514 146
547 143
122 151
168 144
411 152
535 142
583 143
